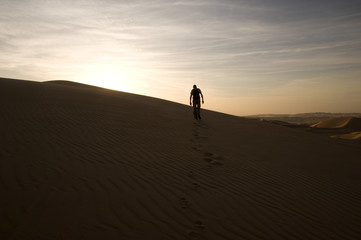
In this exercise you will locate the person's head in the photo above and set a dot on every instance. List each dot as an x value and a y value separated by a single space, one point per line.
194 86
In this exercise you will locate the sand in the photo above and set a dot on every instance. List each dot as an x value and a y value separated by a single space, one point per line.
335 123
79 162
349 136
351 125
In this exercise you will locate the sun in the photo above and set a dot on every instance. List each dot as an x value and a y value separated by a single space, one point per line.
108 76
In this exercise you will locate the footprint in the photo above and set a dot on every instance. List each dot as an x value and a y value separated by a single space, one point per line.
197 149
212 159
196 235
197 124
195 186
200 225
190 174
200 138
216 162
208 154
184 203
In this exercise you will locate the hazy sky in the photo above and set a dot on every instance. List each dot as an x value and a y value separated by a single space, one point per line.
247 56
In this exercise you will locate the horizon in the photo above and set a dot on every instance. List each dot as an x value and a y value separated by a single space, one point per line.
248 57
251 115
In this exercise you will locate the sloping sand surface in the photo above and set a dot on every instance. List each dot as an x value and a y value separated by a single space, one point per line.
350 124
344 122
89 163
349 136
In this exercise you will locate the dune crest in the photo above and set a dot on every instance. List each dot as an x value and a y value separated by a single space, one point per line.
343 122
350 127
349 136
333 123
70 84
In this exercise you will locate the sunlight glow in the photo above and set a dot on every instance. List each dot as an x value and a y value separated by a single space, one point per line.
108 76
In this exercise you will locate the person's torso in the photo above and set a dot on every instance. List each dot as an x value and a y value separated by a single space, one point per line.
196 93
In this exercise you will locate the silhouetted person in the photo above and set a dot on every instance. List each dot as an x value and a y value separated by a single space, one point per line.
197 94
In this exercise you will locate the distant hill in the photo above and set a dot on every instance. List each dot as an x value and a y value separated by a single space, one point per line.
350 125
341 122
303 118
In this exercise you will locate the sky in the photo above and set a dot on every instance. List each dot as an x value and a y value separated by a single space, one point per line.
247 56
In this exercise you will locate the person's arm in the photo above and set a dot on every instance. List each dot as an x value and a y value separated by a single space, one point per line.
201 96
190 98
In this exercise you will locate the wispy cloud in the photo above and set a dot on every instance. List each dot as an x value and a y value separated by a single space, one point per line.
231 47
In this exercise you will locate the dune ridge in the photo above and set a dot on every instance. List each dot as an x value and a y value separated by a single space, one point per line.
347 123
90 163
349 136
343 122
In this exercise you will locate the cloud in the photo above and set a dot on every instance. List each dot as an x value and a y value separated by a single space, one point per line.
233 47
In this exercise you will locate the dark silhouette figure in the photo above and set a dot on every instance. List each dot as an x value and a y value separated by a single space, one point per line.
196 93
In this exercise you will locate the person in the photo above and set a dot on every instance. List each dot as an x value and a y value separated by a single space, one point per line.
196 93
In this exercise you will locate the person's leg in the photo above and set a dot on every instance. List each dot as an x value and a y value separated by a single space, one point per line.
195 114
199 109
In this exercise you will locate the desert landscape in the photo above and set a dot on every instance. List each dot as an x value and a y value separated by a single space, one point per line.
82 162
336 125
307 119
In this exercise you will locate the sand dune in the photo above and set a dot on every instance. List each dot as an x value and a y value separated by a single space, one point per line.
349 136
348 123
343 122
89 163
